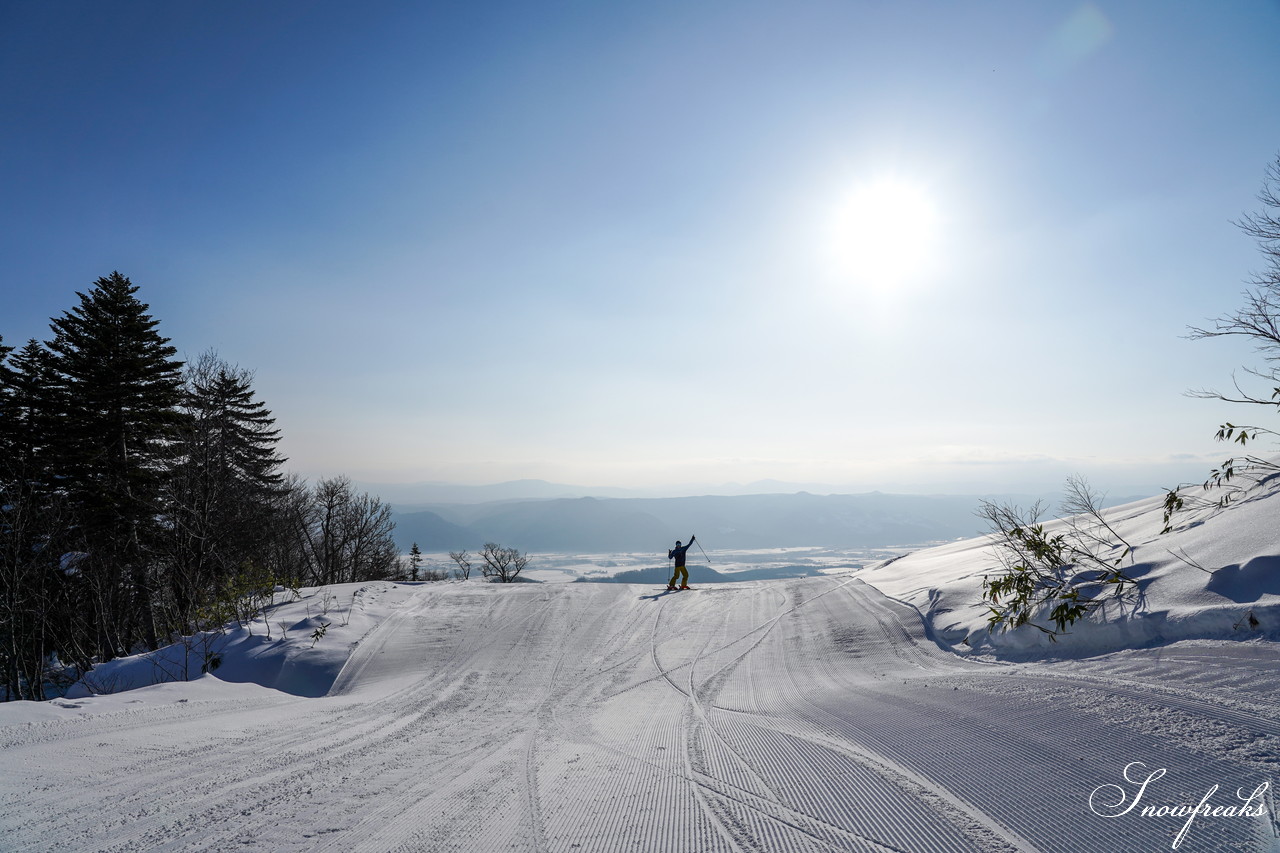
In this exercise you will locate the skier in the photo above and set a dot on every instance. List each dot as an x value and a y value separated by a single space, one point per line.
681 572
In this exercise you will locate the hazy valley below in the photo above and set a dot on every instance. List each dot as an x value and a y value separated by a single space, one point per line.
605 525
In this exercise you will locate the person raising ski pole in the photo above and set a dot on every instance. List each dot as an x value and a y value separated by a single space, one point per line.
677 553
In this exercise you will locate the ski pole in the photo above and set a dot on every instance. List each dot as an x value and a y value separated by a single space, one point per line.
704 553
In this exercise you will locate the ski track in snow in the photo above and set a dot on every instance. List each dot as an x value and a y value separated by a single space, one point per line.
802 715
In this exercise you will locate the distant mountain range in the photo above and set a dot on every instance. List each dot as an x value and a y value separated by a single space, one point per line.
407 496
535 515
619 525
404 496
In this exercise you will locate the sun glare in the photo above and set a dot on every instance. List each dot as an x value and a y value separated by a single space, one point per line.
883 233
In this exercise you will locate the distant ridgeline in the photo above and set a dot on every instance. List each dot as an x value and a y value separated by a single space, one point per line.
628 525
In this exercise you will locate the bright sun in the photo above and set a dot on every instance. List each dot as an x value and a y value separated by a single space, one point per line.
883 232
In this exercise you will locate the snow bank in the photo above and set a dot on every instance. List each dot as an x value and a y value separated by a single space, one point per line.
204 688
278 650
1215 576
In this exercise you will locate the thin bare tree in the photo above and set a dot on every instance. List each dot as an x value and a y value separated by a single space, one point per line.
463 559
1258 321
505 564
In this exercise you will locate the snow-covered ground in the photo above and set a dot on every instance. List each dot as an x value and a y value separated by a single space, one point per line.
1216 575
838 712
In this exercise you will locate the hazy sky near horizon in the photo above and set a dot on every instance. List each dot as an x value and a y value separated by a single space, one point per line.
944 246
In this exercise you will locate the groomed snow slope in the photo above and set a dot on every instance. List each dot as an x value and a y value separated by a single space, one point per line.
802 715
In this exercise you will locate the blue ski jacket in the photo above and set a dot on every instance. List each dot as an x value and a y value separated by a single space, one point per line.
678 552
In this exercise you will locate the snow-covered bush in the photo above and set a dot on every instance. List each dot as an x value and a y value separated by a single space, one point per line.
1056 575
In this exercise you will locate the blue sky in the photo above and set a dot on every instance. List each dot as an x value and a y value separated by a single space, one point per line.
627 244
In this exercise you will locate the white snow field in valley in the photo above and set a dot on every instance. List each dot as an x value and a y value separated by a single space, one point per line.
858 711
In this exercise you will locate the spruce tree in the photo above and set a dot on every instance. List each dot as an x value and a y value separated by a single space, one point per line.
6 382
240 428
415 562
4 371
31 402
35 616
122 386
223 485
